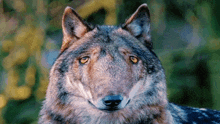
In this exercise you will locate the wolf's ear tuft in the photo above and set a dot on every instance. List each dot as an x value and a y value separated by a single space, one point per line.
139 25
73 27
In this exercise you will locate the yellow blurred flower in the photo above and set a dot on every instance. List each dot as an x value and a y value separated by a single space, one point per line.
18 93
13 77
30 38
95 5
3 101
110 18
41 9
108 4
19 5
23 35
30 76
8 62
11 91
7 45
17 56
20 56
37 40
23 92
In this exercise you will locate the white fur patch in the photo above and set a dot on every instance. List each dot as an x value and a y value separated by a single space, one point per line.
79 86
134 90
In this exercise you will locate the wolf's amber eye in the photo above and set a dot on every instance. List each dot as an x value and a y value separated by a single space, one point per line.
83 60
134 59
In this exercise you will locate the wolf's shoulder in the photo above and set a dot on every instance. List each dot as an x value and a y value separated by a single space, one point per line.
186 115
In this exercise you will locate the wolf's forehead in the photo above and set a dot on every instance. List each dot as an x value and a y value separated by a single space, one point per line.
111 34
106 28
110 39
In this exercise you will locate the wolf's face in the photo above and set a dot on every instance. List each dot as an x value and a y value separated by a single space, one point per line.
110 67
107 71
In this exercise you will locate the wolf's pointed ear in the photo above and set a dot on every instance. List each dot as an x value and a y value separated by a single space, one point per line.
139 25
73 27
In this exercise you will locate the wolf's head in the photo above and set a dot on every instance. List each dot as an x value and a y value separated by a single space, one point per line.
107 71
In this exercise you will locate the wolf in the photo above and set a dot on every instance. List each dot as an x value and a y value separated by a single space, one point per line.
110 75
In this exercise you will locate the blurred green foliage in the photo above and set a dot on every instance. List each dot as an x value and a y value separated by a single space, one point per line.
185 34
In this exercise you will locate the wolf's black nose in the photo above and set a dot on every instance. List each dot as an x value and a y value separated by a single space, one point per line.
112 100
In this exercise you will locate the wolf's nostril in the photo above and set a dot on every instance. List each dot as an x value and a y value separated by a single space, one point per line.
108 102
112 100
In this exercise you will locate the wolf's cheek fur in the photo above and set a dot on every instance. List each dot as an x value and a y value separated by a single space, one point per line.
94 77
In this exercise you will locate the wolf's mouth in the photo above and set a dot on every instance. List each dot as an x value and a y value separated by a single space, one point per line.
109 109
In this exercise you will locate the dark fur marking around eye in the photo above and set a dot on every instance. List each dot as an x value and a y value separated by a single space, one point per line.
102 52
56 117
62 93
150 93
150 69
63 66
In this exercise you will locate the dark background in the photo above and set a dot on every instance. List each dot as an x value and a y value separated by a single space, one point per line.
185 35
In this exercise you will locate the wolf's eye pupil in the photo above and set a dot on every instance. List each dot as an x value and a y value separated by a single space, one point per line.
83 60
134 59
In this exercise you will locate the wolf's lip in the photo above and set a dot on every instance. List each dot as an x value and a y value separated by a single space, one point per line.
109 109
